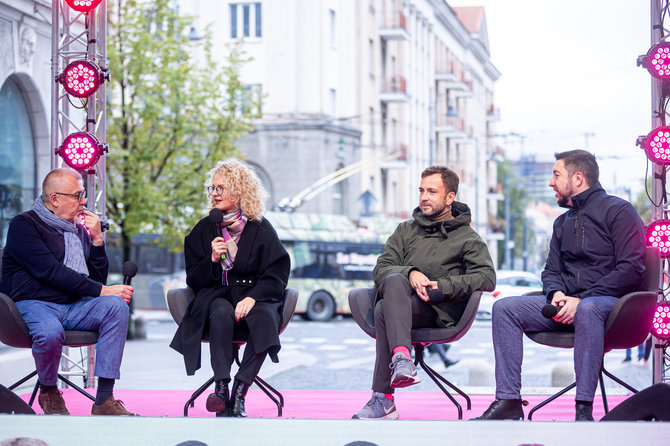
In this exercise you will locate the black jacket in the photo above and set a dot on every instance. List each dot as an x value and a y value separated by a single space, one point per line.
597 248
32 263
260 271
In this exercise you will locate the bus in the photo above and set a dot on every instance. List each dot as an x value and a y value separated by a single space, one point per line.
329 256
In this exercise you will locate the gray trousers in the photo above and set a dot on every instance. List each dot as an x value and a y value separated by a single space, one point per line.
397 312
514 315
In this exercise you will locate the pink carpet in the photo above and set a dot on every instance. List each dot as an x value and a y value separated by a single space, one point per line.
322 404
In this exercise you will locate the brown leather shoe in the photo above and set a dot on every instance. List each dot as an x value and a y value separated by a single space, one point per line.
52 402
111 407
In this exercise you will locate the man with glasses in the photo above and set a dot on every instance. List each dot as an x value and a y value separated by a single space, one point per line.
54 267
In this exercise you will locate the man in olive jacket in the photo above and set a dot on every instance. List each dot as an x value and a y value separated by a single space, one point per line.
428 270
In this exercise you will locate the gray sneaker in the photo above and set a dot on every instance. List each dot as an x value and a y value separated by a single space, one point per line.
379 407
404 372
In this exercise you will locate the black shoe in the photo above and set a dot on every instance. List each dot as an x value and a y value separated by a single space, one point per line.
583 412
237 399
627 359
219 401
448 363
503 410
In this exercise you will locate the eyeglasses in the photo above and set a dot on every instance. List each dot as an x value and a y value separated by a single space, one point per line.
78 195
218 189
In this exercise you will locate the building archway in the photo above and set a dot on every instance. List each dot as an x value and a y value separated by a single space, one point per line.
18 155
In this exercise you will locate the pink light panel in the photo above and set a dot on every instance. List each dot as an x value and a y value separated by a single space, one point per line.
660 325
659 61
658 235
83 5
80 150
81 78
657 145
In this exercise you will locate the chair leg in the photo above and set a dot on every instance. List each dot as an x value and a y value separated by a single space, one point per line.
263 385
22 380
550 399
436 377
76 387
602 392
619 381
196 394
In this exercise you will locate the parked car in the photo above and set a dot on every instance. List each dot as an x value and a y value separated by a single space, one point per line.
508 283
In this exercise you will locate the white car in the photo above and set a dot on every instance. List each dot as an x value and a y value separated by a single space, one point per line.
508 283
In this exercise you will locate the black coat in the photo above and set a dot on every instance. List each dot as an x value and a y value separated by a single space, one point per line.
260 271
597 248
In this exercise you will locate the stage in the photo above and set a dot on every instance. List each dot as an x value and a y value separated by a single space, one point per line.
323 417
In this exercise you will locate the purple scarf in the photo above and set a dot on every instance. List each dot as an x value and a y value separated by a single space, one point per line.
231 228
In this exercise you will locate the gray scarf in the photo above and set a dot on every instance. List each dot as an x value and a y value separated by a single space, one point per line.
74 250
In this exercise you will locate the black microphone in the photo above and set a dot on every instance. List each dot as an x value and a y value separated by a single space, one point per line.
549 311
129 271
216 217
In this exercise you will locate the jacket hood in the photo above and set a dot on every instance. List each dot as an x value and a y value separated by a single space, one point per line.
460 212
579 200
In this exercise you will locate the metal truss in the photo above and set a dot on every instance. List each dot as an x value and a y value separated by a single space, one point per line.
76 36
660 98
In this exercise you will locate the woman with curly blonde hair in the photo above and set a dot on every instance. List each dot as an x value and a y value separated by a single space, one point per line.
238 269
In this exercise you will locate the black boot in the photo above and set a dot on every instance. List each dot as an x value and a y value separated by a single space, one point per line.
237 399
583 412
503 410
219 400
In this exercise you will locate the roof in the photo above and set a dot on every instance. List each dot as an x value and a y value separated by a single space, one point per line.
471 17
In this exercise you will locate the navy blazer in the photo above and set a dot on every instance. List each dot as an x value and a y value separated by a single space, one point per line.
32 263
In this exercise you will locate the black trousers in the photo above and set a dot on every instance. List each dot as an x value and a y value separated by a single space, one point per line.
398 311
221 332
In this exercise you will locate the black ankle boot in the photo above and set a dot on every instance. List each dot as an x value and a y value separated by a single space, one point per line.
237 399
503 410
583 412
219 400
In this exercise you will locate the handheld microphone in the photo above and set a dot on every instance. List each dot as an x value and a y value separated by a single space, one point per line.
549 311
216 217
129 271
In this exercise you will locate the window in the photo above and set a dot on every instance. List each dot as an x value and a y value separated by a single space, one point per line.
17 156
333 35
251 99
332 102
245 20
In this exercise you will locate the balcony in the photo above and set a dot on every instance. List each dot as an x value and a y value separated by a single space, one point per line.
394 27
400 159
493 114
394 90
449 79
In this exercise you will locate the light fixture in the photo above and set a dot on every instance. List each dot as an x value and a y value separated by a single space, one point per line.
657 60
660 325
656 145
83 5
81 150
81 78
658 236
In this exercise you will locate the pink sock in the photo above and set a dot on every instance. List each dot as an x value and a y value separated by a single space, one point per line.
402 349
389 396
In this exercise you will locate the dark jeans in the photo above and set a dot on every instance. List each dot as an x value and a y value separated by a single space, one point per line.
48 321
397 312
514 315
221 334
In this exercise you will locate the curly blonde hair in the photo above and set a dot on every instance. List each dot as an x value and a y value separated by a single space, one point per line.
241 186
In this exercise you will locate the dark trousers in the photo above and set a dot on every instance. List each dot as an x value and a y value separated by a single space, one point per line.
398 310
221 331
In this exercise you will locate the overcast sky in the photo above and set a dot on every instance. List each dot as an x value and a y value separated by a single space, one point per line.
568 71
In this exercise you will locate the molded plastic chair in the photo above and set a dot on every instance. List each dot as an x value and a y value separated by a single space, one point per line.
362 301
177 301
627 326
14 333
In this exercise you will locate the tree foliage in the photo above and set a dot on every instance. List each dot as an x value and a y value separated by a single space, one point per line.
172 113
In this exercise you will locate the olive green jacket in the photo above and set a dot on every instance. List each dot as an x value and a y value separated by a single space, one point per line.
449 252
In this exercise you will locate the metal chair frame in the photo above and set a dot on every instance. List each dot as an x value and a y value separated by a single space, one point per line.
362 302
178 299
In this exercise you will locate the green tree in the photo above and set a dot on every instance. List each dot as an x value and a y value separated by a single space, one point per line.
169 119
642 203
513 190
